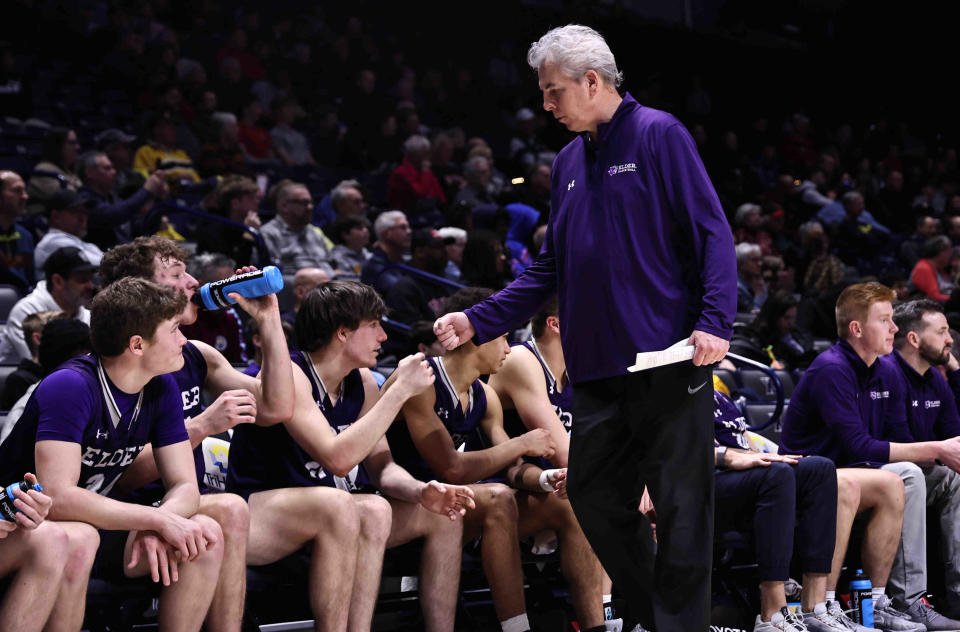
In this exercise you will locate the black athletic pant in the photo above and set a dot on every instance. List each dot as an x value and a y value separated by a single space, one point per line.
652 428
769 501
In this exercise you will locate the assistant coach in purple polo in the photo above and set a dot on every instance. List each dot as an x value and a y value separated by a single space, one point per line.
641 255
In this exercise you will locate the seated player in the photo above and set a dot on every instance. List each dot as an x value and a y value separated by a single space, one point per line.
335 442
927 413
437 424
767 494
37 556
533 388
239 399
838 410
85 424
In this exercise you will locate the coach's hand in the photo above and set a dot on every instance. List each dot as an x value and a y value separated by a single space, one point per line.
453 330
708 349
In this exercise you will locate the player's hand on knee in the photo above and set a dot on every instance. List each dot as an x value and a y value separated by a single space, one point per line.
33 505
233 407
538 443
708 349
950 453
159 556
453 330
414 375
184 535
554 481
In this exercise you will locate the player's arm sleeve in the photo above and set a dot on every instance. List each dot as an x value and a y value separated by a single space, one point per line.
65 404
836 403
694 204
169 427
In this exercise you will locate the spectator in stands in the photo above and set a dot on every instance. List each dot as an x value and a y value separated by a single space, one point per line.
68 287
931 275
60 339
533 387
351 233
118 146
344 199
749 228
484 262
927 412
448 173
476 172
777 333
67 218
441 420
912 247
29 371
840 409
810 191
303 282
412 298
238 399
894 202
162 154
412 181
221 329
136 341
751 290
47 564
254 138
858 237
292 241
392 246
535 191
225 155
55 171
301 467
114 220
953 229
456 240
497 179
16 242
238 199
291 146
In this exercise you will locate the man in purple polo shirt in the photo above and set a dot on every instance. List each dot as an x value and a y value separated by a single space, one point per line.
927 413
844 408
641 255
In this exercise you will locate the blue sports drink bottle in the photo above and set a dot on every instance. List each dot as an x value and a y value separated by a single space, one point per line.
861 599
7 509
213 296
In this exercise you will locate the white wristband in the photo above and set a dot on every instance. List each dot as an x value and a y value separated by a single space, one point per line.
546 480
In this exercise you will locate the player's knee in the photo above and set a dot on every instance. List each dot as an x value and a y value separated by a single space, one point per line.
501 505
892 493
84 540
848 493
338 516
376 518
215 547
233 515
46 549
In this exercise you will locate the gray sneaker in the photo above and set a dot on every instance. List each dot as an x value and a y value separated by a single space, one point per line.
783 621
889 619
922 612
824 620
841 617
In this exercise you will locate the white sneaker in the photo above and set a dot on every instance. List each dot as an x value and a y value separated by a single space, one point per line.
783 621
840 615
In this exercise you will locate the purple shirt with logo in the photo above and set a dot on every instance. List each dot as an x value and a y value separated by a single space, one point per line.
929 405
637 247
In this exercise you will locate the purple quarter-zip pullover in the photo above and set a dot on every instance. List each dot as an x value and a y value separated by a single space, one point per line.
638 248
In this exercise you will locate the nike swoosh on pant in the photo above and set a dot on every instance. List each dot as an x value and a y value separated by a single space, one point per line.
694 390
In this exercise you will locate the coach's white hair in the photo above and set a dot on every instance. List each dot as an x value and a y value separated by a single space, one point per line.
575 49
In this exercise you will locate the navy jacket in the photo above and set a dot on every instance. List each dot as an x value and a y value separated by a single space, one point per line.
929 405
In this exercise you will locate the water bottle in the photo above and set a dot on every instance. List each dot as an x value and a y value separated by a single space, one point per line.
7 509
213 296
861 599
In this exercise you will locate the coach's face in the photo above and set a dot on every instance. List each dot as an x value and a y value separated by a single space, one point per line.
878 328
569 99
934 339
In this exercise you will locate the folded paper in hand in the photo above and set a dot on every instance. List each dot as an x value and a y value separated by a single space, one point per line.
671 355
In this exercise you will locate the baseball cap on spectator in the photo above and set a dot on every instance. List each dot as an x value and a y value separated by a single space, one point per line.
111 136
64 261
68 198
426 237
62 339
